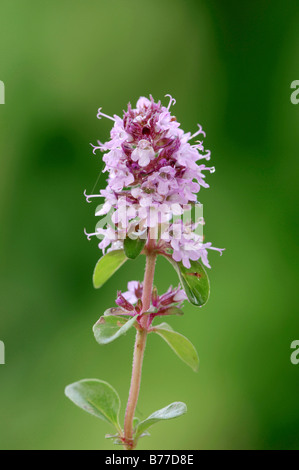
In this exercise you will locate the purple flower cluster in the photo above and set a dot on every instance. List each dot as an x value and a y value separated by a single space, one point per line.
186 243
130 304
154 174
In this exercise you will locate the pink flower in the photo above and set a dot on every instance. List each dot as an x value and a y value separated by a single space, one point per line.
161 305
143 153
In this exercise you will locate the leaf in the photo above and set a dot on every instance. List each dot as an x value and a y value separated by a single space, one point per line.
179 344
107 266
115 439
133 247
169 412
97 398
110 327
194 280
136 422
173 311
168 311
116 311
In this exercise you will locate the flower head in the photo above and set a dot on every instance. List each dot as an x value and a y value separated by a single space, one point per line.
147 146
154 171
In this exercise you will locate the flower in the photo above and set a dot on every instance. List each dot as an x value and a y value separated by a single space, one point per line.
130 302
154 172
188 245
143 153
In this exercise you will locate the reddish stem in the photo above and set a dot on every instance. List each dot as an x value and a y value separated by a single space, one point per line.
139 352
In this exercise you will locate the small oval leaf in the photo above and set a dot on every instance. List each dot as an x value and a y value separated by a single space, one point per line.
194 280
133 247
107 266
111 327
97 398
169 412
183 348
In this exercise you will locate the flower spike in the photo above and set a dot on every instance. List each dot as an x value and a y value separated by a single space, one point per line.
150 208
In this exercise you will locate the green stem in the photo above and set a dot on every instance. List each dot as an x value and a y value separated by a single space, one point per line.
140 344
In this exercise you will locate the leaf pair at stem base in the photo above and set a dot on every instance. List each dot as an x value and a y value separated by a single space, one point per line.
101 400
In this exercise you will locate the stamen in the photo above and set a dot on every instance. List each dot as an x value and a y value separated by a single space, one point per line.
97 147
198 145
200 131
200 148
89 235
100 115
220 250
88 196
207 156
172 101
212 169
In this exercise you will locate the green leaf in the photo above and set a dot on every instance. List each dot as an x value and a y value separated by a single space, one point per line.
136 422
110 327
168 311
179 344
107 266
169 412
194 280
115 439
173 311
133 247
115 311
97 398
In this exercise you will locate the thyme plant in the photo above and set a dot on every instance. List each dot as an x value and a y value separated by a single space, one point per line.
155 171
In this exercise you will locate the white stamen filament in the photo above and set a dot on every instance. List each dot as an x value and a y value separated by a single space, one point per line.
207 156
97 147
200 131
172 101
89 235
100 114
88 196
200 147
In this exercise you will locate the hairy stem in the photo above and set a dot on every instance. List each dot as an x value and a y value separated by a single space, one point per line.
134 389
148 286
139 353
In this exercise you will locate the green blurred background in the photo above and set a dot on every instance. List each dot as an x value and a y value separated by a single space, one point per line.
230 66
